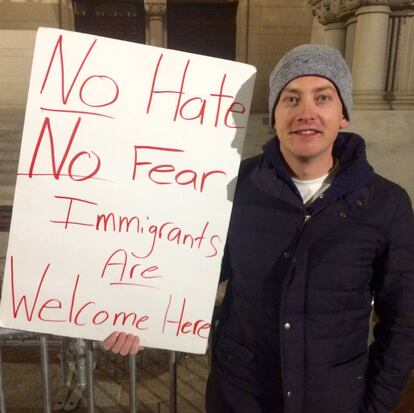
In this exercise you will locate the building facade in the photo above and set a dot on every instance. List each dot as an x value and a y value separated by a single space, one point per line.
375 36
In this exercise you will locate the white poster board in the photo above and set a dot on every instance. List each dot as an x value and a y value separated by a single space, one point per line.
126 175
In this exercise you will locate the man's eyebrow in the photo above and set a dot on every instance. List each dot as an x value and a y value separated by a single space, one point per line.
325 88
291 90
317 90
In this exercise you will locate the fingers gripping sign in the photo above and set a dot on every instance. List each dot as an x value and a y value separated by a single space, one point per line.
122 343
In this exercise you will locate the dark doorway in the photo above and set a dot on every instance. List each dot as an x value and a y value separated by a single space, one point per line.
203 27
123 20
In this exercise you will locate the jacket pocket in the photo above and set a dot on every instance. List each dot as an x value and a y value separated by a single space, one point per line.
337 388
352 360
236 364
346 373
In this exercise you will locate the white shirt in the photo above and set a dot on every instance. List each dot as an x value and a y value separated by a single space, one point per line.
311 189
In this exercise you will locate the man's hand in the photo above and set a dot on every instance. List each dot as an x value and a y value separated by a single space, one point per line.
122 343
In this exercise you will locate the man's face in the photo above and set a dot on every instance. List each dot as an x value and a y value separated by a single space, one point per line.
308 116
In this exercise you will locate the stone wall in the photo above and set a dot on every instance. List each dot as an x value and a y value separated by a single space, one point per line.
267 29
18 24
390 143
16 52
29 14
274 27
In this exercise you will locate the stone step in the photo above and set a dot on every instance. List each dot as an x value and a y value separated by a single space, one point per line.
9 144
11 124
10 131
10 134
10 137
12 118
7 191
10 155
8 166
8 178
9 147
5 217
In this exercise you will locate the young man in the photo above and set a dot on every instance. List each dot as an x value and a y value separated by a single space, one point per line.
315 237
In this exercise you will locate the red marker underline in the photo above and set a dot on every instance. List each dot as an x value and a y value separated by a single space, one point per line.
77 111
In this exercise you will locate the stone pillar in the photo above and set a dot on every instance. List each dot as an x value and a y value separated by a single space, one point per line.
350 40
242 36
156 22
67 15
369 56
335 36
401 80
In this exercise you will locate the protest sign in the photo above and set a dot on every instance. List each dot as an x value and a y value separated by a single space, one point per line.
124 191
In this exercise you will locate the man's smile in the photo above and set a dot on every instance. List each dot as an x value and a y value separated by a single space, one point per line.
306 132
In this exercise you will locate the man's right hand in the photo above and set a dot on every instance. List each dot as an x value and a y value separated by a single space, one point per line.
122 343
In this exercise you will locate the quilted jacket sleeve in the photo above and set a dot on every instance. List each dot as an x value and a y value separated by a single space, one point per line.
391 356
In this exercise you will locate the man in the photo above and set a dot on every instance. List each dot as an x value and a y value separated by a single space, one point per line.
315 237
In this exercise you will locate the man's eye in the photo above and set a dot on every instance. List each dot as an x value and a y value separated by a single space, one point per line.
291 99
323 98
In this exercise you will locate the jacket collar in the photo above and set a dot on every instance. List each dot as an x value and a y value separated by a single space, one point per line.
354 169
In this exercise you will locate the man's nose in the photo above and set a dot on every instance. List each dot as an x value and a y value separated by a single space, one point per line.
306 110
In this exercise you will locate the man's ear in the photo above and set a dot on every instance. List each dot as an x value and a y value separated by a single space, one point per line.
344 123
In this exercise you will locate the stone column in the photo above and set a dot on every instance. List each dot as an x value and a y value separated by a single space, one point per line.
242 36
155 21
401 81
350 40
67 15
369 56
335 36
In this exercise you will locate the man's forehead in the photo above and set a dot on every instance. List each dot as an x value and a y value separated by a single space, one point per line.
314 83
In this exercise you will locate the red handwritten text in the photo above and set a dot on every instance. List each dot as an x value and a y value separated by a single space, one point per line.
166 174
138 272
195 107
167 231
52 309
200 328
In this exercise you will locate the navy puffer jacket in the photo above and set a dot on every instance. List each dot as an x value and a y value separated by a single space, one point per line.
301 285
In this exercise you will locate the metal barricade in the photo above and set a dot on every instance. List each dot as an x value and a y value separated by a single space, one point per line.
2 401
85 372
173 382
85 365
47 404
133 383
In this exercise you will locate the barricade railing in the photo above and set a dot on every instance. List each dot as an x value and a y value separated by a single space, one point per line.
44 360
85 361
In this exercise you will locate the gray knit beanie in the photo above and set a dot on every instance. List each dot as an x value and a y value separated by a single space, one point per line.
311 60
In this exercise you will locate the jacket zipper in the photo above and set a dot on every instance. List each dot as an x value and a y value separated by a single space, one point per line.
306 219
